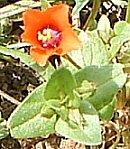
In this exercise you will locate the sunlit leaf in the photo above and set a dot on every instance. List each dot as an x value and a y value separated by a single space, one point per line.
93 52
27 121
61 84
4 132
107 112
17 8
79 5
108 79
44 4
121 3
104 29
27 59
83 126
122 35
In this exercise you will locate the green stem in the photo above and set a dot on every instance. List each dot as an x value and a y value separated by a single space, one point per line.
71 61
93 14
128 12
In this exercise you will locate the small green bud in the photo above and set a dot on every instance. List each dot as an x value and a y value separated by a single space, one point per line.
48 113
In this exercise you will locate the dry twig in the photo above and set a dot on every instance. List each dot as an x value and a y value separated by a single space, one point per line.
9 98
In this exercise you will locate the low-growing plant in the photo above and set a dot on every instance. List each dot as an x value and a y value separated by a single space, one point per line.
81 90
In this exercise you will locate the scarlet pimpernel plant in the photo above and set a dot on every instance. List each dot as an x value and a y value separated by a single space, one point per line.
49 32
82 91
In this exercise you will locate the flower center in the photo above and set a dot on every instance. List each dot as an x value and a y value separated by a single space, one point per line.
49 38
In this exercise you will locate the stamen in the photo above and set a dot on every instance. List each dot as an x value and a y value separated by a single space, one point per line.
49 38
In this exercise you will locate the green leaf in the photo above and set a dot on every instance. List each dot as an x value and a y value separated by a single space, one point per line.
122 35
60 85
108 79
4 132
104 29
87 108
67 64
79 5
107 112
83 127
44 4
121 3
17 8
48 72
27 121
94 52
27 59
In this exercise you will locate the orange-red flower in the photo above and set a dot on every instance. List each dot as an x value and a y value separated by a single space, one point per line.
49 32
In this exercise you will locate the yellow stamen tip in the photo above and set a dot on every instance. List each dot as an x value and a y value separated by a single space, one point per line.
48 34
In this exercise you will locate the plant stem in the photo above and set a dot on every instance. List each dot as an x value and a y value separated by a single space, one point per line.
71 61
127 68
128 12
117 140
93 14
121 98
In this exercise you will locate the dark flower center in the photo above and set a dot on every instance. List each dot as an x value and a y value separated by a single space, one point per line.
49 38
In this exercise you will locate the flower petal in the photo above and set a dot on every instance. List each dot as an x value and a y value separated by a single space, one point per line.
34 19
32 39
58 16
40 56
32 24
54 17
69 41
